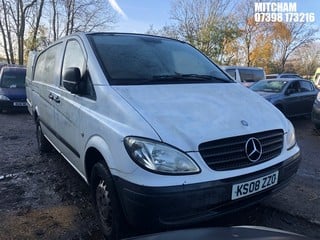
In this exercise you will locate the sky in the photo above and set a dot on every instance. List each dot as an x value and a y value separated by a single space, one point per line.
138 15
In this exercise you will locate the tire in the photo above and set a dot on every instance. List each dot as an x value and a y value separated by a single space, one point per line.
106 203
44 145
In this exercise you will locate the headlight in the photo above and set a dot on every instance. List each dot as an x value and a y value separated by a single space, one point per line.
4 98
159 157
291 136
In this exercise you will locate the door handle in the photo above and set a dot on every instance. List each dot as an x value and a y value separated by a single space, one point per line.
50 96
56 99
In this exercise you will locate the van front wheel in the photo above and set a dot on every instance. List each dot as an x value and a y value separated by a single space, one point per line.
106 202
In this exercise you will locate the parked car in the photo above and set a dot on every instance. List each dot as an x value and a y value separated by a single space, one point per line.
293 97
2 65
12 88
162 136
315 115
282 75
245 75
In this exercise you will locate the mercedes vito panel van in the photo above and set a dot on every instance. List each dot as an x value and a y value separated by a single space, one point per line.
160 133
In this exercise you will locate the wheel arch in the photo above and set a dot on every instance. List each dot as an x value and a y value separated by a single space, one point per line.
97 150
112 153
92 156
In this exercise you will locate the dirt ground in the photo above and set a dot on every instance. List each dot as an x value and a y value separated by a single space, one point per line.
42 197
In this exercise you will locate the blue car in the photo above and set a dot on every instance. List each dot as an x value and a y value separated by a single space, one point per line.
12 88
292 96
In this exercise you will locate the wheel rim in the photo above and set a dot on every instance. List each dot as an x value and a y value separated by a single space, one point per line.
104 206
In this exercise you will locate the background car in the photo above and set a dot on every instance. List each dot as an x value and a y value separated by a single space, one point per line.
246 75
292 96
315 115
12 88
282 75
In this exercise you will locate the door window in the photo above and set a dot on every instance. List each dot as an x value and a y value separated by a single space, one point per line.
74 57
306 86
294 87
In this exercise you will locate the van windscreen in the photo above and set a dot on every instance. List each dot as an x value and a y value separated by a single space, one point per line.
141 59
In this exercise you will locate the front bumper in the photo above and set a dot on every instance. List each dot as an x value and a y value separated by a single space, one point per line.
155 207
13 105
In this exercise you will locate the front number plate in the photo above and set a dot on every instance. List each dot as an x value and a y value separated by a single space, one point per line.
247 188
19 104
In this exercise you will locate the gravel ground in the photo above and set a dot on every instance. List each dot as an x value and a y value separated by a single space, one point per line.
42 197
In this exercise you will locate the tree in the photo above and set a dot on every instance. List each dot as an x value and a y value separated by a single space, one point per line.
204 24
19 16
15 16
288 37
80 15
36 25
255 39
32 18
261 54
306 59
165 31
248 27
6 31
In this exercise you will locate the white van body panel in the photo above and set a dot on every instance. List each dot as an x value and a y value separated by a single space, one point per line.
192 114
166 109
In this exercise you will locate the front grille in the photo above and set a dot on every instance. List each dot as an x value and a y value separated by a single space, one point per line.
229 153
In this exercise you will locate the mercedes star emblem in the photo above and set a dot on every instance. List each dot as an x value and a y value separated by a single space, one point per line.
253 149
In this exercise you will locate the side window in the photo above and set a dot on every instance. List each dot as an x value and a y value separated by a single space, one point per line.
294 87
306 86
74 57
46 65
40 65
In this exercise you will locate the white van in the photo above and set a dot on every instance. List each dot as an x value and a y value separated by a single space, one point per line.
161 134
245 75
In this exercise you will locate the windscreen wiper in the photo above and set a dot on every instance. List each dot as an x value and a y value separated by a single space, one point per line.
204 77
197 78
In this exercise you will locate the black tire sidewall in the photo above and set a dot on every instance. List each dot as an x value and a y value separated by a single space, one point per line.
43 143
101 172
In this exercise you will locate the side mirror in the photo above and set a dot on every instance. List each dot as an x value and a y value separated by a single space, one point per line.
71 79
